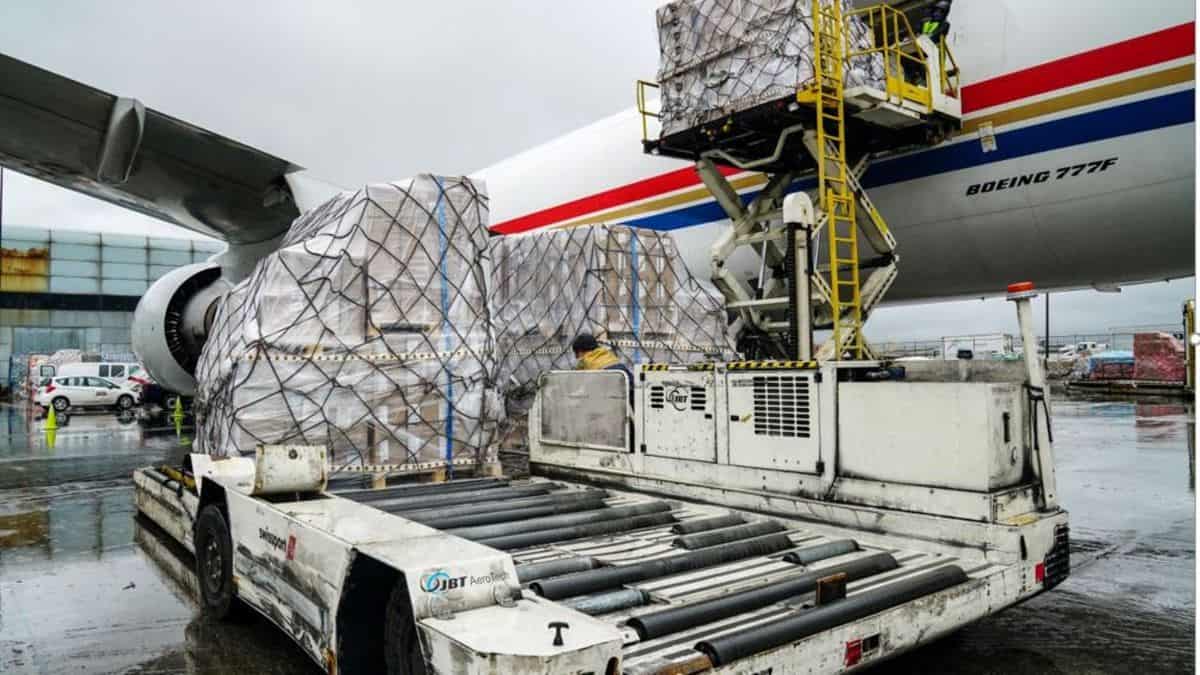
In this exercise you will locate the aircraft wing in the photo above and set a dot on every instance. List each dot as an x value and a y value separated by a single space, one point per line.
118 150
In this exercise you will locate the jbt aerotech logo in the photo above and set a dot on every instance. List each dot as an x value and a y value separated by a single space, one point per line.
440 581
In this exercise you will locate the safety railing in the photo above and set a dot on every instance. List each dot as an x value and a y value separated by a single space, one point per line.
906 70
949 69
643 109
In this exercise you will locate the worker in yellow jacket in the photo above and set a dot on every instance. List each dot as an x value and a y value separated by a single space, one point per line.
591 356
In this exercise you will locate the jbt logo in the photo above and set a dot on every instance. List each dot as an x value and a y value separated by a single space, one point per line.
440 581
678 397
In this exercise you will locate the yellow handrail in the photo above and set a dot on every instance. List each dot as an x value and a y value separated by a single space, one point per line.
895 41
949 69
642 86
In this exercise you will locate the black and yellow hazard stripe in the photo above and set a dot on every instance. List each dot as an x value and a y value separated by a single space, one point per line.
770 365
655 367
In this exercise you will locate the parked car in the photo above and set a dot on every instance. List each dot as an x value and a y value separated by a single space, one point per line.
82 392
117 373
1080 349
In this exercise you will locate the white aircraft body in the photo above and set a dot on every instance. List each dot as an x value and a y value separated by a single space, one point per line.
1075 168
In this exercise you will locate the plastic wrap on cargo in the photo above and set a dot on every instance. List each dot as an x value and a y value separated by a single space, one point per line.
717 57
1159 357
626 286
368 331
1108 365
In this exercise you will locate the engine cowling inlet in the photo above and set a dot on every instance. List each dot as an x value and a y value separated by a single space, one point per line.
172 320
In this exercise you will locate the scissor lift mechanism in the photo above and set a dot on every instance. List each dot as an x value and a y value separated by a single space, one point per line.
830 132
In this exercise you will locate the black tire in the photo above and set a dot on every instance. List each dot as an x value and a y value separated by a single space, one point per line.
60 403
401 647
214 563
125 402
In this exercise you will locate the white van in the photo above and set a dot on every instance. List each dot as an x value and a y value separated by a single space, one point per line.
117 373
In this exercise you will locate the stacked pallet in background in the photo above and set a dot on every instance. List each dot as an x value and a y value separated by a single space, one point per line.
628 287
1159 357
368 331
718 57
1110 365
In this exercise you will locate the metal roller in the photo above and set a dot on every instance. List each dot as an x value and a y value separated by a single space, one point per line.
452 520
725 649
367 495
667 621
566 520
813 554
454 498
583 583
725 535
703 524
612 601
526 539
429 513
553 568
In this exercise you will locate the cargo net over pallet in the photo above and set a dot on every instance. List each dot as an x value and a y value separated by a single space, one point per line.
627 287
389 325
719 57
368 331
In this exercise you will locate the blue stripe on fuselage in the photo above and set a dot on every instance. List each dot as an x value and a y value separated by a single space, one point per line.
1120 120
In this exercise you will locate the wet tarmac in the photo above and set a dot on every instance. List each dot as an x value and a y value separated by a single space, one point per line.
85 588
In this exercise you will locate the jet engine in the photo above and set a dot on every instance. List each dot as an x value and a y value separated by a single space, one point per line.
172 321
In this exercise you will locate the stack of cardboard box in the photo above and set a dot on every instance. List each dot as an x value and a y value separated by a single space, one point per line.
367 331
1159 357
628 287
718 57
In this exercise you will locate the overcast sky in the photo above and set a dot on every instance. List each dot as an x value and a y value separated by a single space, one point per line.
383 89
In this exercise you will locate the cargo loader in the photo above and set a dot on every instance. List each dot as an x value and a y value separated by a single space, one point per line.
757 515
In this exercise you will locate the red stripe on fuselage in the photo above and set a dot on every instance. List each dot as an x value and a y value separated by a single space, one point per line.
649 187
1139 52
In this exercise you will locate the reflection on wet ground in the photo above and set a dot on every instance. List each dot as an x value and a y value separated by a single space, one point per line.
84 588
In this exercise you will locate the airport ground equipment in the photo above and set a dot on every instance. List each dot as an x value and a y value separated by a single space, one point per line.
794 515
755 515
821 138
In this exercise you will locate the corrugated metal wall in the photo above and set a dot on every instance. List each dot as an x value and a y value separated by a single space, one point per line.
39 266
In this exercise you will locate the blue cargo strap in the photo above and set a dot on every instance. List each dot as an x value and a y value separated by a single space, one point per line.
447 339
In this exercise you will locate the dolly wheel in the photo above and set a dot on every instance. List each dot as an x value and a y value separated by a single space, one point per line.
214 563
402 649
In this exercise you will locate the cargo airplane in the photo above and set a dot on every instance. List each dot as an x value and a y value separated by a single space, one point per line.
1074 168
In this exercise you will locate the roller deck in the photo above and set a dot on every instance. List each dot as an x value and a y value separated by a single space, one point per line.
740 554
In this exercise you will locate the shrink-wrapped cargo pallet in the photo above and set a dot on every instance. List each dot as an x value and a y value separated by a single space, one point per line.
718 57
367 331
1159 357
628 287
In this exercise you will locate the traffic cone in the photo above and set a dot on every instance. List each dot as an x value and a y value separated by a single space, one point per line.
177 415
51 420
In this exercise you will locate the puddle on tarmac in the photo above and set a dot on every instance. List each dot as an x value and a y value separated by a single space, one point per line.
85 589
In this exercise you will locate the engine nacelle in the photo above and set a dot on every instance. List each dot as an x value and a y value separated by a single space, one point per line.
172 321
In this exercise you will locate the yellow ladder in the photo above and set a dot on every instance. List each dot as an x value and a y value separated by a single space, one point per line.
833 177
